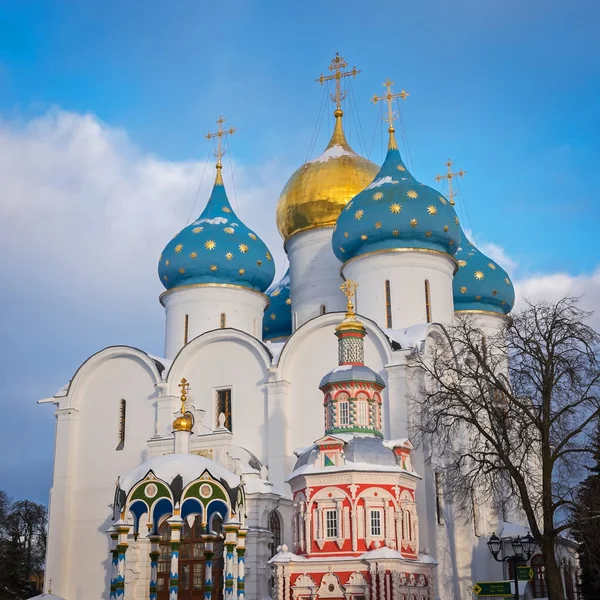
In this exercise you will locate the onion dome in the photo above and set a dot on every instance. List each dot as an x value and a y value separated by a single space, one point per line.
217 249
277 322
480 283
316 193
396 212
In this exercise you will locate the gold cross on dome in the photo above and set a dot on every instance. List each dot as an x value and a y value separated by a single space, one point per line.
349 289
449 176
185 388
389 97
219 134
336 66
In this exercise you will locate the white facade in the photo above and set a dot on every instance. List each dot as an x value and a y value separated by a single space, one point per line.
314 275
194 309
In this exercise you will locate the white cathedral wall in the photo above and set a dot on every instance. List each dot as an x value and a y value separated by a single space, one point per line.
203 306
407 273
309 355
314 275
227 359
80 513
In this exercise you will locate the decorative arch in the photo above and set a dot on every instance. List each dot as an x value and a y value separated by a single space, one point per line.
153 368
381 493
324 321
257 348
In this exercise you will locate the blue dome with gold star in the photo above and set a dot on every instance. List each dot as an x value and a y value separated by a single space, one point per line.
480 282
277 321
396 212
217 249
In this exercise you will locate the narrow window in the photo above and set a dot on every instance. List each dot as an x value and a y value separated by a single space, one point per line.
331 523
375 523
223 320
475 509
427 302
186 323
438 498
344 413
122 416
224 407
323 309
388 304
363 413
295 321
275 529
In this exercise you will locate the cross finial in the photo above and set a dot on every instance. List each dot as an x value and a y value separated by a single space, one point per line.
220 134
349 288
449 176
389 98
185 388
336 67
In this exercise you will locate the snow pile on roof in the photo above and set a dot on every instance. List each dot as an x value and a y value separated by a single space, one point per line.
284 555
411 337
399 443
47 596
380 553
510 530
334 152
381 181
189 466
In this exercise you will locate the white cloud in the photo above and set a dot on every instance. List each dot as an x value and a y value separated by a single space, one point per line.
554 286
84 208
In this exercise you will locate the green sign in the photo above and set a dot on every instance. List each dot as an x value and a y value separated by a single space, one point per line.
492 588
524 573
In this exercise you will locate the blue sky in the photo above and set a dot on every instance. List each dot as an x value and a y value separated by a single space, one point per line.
104 101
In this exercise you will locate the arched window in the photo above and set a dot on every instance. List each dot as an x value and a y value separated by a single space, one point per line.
540 589
186 323
223 320
427 302
275 529
122 418
388 304
223 405
323 309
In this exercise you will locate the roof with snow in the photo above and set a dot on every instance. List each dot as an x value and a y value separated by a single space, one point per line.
351 373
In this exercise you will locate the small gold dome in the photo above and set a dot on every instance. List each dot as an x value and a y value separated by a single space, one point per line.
316 193
183 422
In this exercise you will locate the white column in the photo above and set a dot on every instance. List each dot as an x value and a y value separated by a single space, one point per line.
58 551
122 545
154 556
175 524
314 275
280 464
241 554
208 564
231 541
182 442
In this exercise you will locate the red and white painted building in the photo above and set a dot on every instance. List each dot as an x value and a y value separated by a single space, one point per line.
356 526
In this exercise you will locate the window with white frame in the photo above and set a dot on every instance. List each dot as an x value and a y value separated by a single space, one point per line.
344 408
363 413
331 523
375 523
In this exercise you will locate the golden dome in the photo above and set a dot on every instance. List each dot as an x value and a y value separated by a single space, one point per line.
316 193
183 422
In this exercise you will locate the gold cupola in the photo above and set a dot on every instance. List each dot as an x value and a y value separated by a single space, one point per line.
317 192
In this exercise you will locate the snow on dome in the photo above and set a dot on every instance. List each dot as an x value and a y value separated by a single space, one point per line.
333 152
189 466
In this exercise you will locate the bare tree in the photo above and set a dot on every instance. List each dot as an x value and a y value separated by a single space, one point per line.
510 412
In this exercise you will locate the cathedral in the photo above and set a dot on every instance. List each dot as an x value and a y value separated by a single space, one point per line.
267 453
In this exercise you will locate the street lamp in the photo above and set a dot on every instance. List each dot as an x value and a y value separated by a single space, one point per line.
523 549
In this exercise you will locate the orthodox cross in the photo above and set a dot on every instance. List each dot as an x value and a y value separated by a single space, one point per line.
349 288
389 97
185 388
449 177
219 134
336 66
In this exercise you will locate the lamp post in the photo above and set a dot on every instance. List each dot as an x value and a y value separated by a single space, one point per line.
523 549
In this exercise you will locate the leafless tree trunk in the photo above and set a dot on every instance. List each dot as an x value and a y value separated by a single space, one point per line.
509 414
